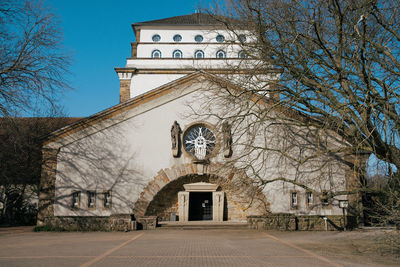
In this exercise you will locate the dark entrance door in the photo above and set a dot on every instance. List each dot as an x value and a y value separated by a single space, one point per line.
200 206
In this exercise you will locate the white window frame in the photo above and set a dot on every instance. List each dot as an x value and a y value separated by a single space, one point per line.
91 199
220 52
199 52
75 199
294 199
177 52
154 52
107 204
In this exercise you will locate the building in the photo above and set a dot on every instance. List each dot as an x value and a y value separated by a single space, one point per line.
150 156
21 165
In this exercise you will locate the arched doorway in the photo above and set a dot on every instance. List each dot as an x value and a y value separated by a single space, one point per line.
160 197
165 204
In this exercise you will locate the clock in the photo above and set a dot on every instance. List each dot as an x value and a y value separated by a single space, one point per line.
199 141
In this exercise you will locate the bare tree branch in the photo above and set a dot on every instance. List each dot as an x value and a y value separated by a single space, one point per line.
33 65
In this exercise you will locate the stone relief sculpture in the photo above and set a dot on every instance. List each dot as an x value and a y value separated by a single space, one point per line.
227 139
176 139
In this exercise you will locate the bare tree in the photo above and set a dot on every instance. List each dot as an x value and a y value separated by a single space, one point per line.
338 70
20 165
32 62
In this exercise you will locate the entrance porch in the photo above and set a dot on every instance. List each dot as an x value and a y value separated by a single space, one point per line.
201 202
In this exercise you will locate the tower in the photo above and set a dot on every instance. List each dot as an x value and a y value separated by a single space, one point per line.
168 49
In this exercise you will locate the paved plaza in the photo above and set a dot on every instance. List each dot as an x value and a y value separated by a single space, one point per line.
21 247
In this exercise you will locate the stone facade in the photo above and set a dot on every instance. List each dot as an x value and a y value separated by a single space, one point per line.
125 90
146 223
125 78
291 222
47 186
125 222
117 222
160 196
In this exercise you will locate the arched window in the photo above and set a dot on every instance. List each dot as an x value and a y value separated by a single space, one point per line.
156 53
198 38
221 54
177 54
177 38
242 54
199 54
220 38
242 38
156 38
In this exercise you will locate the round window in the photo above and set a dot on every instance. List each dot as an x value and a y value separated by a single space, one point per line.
156 38
242 38
198 38
220 38
199 141
177 38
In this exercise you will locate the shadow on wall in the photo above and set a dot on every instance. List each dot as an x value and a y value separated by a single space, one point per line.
275 144
93 173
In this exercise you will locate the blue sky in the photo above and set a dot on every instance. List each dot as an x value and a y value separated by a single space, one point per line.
97 34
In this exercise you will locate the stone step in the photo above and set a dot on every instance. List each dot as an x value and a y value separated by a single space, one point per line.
202 225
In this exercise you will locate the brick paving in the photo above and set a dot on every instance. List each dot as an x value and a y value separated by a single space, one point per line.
157 248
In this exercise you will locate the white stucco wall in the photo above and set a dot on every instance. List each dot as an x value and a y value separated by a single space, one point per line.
188 50
188 45
124 157
279 151
188 33
125 153
143 83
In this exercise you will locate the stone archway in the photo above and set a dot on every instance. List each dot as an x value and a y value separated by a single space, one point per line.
159 197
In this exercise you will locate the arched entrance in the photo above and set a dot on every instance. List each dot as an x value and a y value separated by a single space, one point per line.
165 204
239 197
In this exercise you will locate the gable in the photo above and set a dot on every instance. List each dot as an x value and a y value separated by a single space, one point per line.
152 99
130 108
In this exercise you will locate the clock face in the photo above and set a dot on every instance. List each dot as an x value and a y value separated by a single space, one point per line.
199 141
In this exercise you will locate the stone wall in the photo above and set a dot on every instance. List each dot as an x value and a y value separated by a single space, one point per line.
160 197
291 222
121 222
146 223
124 91
117 222
47 185
124 222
